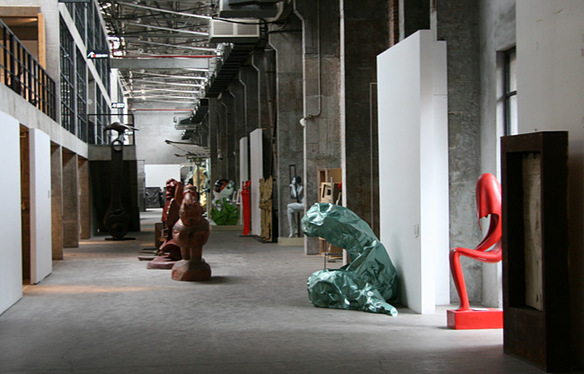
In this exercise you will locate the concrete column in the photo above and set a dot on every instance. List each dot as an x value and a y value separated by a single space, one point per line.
57 201
213 133
288 46
359 104
231 161
464 129
70 200
415 15
321 92
84 194
248 78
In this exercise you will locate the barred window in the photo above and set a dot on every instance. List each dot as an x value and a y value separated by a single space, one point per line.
67 79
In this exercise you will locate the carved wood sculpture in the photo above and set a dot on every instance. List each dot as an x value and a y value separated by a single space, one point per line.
266 207
191 232
169 251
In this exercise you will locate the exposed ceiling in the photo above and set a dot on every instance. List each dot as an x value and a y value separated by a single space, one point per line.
161 31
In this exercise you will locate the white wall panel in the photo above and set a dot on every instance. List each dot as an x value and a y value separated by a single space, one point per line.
10 225
256 173
414 176
158 174
40 206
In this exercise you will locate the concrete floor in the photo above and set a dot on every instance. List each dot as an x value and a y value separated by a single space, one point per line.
101 311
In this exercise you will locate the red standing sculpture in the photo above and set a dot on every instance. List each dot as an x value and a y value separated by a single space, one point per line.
488 198
191 232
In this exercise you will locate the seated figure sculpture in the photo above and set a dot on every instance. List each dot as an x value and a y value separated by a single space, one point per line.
191 232
488 199
296 193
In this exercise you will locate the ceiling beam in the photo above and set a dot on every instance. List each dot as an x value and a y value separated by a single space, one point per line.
160 63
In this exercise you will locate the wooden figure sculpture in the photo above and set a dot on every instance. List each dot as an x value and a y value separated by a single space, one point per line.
169 251
488 198
191 232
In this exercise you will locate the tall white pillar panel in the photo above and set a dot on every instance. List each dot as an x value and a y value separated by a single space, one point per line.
10 224
256 167
413 178
40 206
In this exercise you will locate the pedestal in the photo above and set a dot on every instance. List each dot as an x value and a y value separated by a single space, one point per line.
196 270
483 318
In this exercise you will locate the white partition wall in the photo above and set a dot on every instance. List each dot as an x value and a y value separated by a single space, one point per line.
40 206
413 179
10 226
256 173
158 174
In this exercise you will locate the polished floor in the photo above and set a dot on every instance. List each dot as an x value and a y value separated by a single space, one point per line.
101 311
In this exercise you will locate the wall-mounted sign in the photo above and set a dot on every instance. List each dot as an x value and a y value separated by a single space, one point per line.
97 54
120 105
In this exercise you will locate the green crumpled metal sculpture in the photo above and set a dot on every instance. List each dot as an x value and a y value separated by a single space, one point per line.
369 282
224 212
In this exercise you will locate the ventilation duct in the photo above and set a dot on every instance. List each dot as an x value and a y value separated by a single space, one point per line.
230 32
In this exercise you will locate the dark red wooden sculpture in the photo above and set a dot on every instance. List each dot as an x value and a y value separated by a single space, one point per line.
488 198
191 232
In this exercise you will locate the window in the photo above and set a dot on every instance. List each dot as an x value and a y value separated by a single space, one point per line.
67 79
510 83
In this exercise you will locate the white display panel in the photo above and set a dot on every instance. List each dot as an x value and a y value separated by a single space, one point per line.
40 206
158 174
257 172
413 180
10 225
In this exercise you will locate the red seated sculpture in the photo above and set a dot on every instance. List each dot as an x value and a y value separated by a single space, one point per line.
191 232
488 198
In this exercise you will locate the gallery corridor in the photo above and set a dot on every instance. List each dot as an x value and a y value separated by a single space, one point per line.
101 311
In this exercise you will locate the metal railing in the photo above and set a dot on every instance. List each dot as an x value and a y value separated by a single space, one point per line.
22 73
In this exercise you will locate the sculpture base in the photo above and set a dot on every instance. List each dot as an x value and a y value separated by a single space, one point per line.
160 263
484 318
195 271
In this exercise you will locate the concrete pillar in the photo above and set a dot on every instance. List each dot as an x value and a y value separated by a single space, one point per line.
57 201
288 46
464 128
359 104
231 161
70 200
213 134
248 77
321 92
84 194
415 16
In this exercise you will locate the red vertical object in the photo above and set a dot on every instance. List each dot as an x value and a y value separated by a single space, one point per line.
245 197
488 196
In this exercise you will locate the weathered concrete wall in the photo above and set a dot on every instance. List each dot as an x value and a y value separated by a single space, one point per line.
321 91
497 34
457 23
288 46
359 50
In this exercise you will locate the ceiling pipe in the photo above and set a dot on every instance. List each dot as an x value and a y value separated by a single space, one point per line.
199 33
166 11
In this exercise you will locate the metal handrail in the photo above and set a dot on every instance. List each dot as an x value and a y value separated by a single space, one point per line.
23 74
